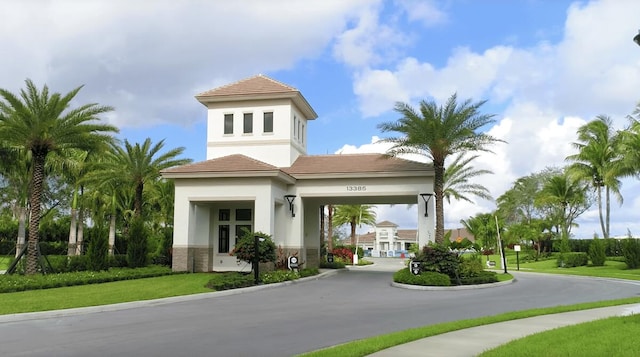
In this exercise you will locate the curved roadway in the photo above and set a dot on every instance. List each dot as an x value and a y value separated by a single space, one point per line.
286 320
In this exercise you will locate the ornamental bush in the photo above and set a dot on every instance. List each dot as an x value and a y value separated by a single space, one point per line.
438 258
425 278
98 251
244 249
137 248
483 277
572 260
597 252
631 252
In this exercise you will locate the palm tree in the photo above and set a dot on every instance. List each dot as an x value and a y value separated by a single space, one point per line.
355 215
438 132
136 165
41 123
598 162
457 178
569 198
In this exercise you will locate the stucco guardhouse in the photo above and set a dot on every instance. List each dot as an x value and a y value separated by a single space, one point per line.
258 176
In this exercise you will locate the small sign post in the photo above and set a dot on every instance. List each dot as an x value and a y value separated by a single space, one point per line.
329 257
517 249
293 263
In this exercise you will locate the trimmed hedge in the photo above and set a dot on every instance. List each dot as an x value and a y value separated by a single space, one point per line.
572 260
13 283
426 278
483 277
334 265
631 252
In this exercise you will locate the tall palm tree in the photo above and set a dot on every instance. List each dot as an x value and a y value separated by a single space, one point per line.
457 179
355 215
598 163
41 123
569 198
437 132
136 165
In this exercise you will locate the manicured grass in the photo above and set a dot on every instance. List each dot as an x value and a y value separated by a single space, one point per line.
615 336
611 269
368 346
103 294
4 262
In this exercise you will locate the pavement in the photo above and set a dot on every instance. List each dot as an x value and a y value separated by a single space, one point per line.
466 342
475 340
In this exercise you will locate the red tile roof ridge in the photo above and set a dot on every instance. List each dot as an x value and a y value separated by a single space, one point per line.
221 89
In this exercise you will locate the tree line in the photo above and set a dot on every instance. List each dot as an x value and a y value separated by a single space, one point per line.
64 160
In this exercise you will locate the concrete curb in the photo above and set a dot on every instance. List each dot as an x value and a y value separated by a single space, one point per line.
450 288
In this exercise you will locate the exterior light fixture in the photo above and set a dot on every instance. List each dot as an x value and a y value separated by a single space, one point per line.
290 199
636 39
426 197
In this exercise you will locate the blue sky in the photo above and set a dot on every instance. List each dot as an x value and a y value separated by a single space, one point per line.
545 67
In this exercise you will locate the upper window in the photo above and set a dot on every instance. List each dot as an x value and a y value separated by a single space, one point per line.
228 123
268 122
248 123
295 127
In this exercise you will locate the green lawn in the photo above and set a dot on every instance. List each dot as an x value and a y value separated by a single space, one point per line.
615 336
103 294
4 262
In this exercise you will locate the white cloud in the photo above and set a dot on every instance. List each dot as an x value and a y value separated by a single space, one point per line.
425 11
149 56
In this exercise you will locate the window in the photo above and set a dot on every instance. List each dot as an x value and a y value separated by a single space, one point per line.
243 214
302 134
223 238
248 123
295 127
228 123
268 122
223 215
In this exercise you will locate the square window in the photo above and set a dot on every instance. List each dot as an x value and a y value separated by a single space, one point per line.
228 123
224 214
243 214
248 123
268 122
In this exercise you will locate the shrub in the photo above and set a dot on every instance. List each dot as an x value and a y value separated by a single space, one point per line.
597 252
137 248
226 281
118 261
343 254
571 260
278 276
631 252
334 265
471 267
15 282
98 251
483 277
244 249
78 263
425 278
439 259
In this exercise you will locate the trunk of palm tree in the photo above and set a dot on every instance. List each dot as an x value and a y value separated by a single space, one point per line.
608 203
80 241
73 232
34 202
330 229
22 228
137 205
112 233
353 232
438 166
604 230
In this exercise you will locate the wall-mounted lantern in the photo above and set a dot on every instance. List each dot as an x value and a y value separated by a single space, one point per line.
426 197
290 199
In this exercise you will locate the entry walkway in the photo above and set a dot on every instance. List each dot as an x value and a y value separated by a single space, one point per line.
475 340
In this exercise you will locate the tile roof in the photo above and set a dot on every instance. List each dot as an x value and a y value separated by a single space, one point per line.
257 87
253 85
386 224
228 166
323 166
354 164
